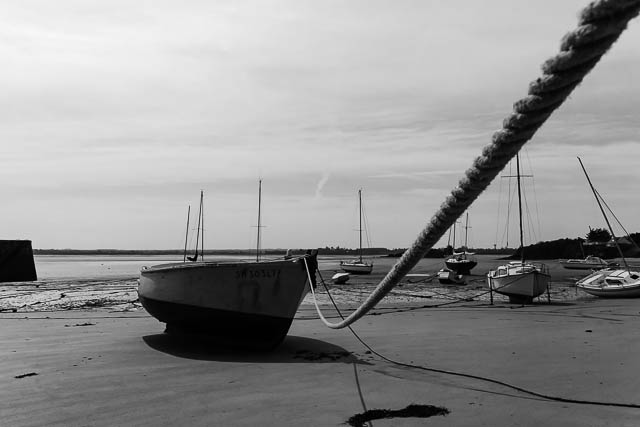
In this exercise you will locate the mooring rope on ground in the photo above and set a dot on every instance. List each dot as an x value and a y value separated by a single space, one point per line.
462 374
599 26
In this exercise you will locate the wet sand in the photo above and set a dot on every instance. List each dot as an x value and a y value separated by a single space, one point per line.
103 364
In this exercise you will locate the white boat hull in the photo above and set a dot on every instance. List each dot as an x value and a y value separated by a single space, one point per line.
448 277
520 284
610 283
356 267
340 278
589 263
245 303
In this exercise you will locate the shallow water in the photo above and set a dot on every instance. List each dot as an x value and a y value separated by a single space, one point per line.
68 282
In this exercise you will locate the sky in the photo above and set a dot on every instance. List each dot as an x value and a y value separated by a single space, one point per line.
115 114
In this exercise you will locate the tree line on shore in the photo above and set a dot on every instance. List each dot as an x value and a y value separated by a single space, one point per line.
598 242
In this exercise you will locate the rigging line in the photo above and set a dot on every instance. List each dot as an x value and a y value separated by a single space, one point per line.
616 218
535 194
495 245
600 24
462 374
365 225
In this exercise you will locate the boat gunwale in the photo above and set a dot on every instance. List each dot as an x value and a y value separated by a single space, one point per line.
206 264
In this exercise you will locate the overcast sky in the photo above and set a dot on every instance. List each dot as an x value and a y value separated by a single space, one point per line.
115 114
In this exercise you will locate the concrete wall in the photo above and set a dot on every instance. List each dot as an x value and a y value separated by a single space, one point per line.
16 261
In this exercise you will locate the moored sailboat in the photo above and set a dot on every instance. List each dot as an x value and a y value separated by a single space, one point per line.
359 265
462 262
248 304
610 282
520 280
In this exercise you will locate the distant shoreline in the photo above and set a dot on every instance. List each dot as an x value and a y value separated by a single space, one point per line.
436 253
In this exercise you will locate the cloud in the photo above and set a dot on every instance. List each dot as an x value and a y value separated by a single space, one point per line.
321 184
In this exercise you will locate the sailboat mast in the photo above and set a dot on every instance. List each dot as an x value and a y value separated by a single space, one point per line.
595 194
186 237
360 218
195 258
202 226
520 207
466 230
453 247
259 225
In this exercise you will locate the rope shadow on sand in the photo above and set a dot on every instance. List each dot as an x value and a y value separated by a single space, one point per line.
293 349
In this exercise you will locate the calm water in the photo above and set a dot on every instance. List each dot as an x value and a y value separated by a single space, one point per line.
128 266
51 267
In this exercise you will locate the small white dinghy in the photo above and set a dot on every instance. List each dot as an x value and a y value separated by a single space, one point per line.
340 278
612 283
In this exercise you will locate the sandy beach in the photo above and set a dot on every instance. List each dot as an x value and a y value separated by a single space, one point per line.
94 357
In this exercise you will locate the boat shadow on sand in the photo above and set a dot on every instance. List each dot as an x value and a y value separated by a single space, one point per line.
293 349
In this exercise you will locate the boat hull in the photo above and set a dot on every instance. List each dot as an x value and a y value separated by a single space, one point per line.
520 284
461 267
340 278
356 267
448 277
589 263
611 283
250 303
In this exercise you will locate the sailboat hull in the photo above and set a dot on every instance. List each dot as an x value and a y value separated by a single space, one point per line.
460 266
612 283
356 267
520 283
250 303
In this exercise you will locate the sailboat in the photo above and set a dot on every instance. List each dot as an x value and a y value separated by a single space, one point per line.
611 281
359 265
239 303
520 280
462 262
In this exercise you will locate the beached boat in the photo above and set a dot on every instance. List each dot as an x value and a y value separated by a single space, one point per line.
340 278
610 282
248 304
244 303
588 263
358 265
520 280
449 277
462 262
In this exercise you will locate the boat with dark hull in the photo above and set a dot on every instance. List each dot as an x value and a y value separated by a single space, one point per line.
461 262
250 304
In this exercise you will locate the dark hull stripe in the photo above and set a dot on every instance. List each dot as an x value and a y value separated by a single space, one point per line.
461 268
231 328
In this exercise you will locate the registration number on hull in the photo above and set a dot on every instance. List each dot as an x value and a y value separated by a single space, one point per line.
262 273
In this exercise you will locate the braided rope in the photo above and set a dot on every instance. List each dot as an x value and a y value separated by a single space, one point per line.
599 26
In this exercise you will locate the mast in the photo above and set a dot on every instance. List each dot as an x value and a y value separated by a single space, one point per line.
520 207
195 257
466 229
259 206
453 247
360 218
186 237
595 194
202 226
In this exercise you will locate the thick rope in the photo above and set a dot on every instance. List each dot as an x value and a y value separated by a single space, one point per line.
599 26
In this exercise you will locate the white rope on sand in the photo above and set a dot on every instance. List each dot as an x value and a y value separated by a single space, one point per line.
599 26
